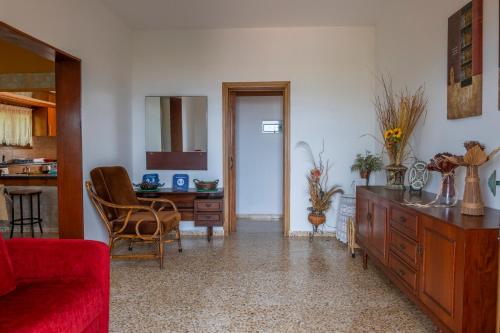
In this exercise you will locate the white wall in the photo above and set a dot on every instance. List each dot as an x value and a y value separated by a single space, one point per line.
259 157
332 77
88 30
154 124
412 46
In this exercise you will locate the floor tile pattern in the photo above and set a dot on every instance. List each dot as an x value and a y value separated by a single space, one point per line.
258 281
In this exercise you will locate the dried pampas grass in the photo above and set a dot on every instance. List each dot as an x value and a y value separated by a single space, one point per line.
399 111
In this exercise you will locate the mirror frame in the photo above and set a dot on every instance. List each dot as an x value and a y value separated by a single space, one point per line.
176 160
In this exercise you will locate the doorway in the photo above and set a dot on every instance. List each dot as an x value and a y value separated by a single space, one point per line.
68 128
230 92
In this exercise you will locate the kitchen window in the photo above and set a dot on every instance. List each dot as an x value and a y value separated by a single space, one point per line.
15 125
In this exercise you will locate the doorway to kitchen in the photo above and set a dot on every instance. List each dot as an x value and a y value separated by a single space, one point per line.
53 98
238 94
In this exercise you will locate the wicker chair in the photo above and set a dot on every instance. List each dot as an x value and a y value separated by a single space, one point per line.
128 217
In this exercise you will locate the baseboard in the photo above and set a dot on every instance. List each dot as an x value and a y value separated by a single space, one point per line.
28 230
202 233
300 234
259 217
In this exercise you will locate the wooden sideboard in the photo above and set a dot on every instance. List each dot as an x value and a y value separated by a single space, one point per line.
445 262
206 209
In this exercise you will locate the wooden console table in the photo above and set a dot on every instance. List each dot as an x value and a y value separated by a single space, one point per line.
206 209
445 262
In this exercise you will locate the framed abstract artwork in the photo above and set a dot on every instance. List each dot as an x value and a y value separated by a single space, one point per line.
465 61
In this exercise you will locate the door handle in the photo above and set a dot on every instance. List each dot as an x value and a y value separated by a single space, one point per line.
420 249
231 162
369 217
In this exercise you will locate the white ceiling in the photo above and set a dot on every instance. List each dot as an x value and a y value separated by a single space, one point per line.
164 14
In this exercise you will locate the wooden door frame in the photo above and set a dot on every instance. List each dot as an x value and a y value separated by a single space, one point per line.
69 130
229 91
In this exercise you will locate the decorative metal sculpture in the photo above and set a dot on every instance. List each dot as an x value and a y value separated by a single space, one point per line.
418 176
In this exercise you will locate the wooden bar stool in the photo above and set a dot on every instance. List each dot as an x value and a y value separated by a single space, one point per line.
30 220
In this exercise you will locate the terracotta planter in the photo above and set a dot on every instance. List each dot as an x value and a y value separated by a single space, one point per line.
316 220
396 176
365 175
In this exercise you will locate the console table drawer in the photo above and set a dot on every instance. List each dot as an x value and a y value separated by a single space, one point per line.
405 222
208 205
407 275
406 248
208 219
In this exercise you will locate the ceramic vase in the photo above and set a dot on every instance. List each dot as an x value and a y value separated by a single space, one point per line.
396 176
316 220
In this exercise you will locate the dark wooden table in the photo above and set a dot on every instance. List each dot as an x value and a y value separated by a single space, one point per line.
206 209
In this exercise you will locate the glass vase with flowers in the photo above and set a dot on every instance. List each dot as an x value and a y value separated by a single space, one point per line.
447 194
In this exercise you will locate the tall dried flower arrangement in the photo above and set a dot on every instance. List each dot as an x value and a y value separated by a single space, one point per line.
320 193
398 114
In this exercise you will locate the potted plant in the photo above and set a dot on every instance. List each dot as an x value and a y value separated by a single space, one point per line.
320 193
366 164
397 116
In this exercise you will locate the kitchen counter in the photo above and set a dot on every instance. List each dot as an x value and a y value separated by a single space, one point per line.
8 164
29 179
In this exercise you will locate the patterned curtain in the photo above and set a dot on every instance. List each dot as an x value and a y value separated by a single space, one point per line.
15 126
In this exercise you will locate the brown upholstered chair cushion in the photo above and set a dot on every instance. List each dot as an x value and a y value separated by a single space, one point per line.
113 184
169 220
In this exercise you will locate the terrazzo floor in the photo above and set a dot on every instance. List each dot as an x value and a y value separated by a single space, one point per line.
258 281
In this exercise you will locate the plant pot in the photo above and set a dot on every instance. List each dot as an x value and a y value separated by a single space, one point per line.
396 176
365 175
316 220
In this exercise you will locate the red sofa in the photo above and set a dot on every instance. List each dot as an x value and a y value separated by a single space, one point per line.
60 286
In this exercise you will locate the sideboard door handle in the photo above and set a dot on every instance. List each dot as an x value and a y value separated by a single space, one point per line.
420 249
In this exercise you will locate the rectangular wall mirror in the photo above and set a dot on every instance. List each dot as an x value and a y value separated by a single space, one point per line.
176 132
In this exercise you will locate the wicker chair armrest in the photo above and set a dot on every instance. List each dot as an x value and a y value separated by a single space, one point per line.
162 201
131 209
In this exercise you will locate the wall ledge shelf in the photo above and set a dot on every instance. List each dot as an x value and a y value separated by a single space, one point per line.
20 100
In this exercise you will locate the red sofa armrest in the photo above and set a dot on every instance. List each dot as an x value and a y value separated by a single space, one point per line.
53 259
49 259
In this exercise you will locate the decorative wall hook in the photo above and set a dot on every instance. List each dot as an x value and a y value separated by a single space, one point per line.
493 183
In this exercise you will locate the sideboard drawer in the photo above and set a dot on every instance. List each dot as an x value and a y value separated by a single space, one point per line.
404 273
208 219
208 205
405 222
406 248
